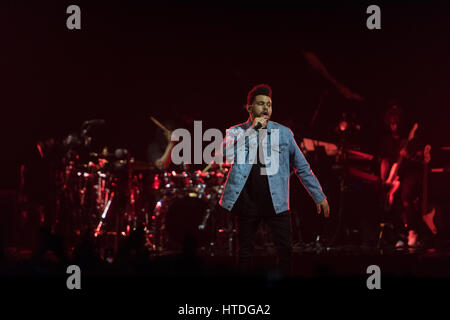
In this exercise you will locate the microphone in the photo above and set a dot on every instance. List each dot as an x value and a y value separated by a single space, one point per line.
258 126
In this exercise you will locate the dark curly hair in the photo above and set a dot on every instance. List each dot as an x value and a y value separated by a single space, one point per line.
260 89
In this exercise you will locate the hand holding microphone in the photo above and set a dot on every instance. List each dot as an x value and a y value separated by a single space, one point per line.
259 122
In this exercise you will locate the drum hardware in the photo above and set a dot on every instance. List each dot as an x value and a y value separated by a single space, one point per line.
350 171
103 217
185 210
109 195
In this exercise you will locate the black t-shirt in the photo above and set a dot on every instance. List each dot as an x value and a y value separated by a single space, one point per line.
255 198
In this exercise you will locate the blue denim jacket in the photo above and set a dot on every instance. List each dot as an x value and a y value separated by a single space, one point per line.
278 145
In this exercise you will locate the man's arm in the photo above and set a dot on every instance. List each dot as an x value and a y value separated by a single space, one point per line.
307 177
163 162
384 168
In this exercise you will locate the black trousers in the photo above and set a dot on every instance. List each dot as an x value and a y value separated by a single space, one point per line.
280 226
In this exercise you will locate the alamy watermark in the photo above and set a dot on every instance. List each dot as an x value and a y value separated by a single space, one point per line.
238 147
74 280
374 281
73 21
373 22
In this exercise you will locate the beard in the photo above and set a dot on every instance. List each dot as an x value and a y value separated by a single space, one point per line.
262 114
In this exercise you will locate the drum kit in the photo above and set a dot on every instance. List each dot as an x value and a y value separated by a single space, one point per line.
186 209
107 196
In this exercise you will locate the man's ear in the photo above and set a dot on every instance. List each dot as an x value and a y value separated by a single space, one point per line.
248 107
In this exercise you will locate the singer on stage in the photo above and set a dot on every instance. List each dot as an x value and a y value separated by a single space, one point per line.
252 191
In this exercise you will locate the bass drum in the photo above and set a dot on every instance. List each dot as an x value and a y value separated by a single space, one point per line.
189 221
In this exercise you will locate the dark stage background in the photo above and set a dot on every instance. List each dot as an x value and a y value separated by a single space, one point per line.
191 61
197 61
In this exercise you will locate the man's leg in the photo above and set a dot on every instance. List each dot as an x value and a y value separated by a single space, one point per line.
280 226
247 227
411 216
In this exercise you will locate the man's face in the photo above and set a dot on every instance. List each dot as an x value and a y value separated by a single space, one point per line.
261 107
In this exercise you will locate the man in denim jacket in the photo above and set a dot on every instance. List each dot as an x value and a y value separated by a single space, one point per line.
257 187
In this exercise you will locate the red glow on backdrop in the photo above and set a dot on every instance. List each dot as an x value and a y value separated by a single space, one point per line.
40 150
